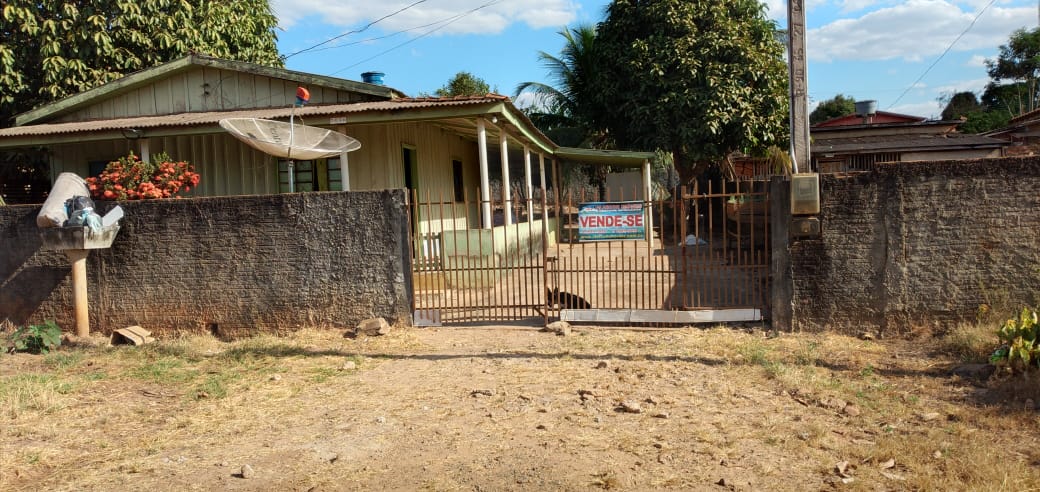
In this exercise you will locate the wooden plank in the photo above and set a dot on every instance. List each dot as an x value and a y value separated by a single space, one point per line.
659 316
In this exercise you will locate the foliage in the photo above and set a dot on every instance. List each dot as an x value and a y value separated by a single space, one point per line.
1019 61
698 78
564 109
839 105
36 339
130 178
1021 339
464 84
961 104
50 49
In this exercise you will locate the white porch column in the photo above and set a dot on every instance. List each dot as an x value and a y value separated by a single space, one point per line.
485 186
344 171
648 200
527 181
507 193
146 155
541 176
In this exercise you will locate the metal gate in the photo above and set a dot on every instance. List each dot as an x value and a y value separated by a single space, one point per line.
703 257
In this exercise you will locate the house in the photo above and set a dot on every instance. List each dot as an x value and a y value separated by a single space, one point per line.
1022 134
440 149
857 142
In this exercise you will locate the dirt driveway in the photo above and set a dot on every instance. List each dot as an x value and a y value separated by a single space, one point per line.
510 409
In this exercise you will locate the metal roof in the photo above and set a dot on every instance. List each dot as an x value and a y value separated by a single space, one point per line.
883 143
214 117
604 157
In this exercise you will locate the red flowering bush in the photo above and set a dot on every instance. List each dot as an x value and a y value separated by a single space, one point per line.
130 178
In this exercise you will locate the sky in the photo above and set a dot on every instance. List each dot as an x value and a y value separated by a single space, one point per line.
903 54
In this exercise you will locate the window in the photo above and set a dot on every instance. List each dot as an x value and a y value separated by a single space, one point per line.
318 175
457 180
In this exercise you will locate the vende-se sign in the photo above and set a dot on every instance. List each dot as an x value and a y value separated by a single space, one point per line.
601 221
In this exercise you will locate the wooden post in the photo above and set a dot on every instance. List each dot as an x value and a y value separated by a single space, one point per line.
528 187
78 258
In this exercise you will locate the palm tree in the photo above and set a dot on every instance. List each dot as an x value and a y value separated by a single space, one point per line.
563 110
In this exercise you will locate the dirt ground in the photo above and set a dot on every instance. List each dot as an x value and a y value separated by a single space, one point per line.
511 409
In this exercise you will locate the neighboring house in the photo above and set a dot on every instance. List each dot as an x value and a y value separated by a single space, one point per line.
437 147
1022 134
857 142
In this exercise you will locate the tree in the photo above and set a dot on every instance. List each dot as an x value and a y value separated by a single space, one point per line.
960 105
50 49
1019 61
698 78
839 105
464 84
564 109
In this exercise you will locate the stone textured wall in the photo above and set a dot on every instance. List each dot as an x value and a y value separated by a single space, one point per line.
227 265
920 245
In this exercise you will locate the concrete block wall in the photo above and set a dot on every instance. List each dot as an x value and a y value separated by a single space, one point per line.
915 246
227 265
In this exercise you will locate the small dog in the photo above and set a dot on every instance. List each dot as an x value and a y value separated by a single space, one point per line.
566 300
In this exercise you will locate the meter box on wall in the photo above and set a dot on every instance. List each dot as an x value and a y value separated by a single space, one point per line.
805 194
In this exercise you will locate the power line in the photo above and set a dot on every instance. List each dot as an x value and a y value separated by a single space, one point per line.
948 48
377 38
427 33
370 24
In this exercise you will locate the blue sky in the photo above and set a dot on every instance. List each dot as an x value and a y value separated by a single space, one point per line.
869 49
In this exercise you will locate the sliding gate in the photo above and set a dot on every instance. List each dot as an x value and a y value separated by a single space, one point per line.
702 256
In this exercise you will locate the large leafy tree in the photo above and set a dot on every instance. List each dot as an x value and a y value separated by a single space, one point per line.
563 108
699 78
960 105
51 49
1019 61
839 105
464 84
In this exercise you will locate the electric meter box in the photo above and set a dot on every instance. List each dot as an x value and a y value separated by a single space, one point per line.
805 194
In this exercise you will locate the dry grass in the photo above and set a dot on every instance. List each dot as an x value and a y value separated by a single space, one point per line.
513 409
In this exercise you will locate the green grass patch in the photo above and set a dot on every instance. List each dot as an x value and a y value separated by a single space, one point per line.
167 370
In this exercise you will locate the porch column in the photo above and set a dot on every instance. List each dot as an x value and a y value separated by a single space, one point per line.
344 171
527 180
541 176
146 155
648 219
557 197
485 186
507 192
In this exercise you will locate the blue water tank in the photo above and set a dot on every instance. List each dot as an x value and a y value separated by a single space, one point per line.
373 77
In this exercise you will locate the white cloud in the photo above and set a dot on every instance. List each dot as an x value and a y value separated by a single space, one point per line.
912 31
976 61
973 85
491 19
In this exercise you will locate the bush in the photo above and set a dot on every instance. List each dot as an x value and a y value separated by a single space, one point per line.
130 178
36 339
1020 349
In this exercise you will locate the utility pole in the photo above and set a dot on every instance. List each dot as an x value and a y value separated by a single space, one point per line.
796 68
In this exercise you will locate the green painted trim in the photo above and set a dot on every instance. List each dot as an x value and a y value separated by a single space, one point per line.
527 129
604 157
148 75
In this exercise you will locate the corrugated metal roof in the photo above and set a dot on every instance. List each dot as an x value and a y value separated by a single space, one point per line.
903 142
213 117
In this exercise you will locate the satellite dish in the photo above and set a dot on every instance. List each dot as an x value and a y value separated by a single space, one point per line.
289 140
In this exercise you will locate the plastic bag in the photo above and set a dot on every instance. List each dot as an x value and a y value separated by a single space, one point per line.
80 210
